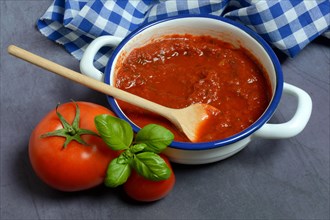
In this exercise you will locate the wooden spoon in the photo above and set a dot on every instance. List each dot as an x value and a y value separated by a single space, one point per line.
187 119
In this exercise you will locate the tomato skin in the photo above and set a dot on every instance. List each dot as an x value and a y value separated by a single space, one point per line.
141 189
76 167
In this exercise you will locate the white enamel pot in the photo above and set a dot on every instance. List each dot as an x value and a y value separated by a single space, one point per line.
226 30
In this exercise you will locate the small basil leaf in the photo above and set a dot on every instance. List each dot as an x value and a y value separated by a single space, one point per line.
115 132
117 173
151 166
122 159
156 137
137 148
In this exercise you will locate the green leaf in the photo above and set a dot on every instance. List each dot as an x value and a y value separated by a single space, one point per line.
117 173
115 132
123 159
137 148
151 166
156 137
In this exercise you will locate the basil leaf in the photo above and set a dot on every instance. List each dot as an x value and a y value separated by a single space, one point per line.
156 137
151 166
117 173
122 159
137 148
115 132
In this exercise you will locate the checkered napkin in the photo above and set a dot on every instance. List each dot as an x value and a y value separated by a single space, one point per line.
288 25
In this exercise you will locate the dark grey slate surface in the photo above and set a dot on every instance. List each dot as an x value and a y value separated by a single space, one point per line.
269 179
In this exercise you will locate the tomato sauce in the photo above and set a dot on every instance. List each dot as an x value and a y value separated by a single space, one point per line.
179 70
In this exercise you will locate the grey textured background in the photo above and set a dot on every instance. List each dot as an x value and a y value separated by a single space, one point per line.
269 179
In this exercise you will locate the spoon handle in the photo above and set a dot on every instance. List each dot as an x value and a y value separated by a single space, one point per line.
87 81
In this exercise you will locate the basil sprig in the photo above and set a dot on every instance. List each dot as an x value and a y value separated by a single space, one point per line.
139 152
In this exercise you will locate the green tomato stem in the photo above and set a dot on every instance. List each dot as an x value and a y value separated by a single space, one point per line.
71 132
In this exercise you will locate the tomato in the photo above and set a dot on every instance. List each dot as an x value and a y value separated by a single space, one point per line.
141 189
76 166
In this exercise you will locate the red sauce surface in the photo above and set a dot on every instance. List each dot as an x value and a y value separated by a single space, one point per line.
178 70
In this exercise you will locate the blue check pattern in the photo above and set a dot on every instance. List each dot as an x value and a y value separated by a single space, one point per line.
286 25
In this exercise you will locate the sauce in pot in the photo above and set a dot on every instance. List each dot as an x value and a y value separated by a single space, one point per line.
178 70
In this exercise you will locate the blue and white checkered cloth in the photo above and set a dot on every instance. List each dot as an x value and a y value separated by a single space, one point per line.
288 25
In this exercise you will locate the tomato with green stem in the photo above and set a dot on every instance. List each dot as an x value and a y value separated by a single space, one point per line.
65 150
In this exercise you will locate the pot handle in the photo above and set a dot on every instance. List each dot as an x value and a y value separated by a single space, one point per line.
296 124
87 61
